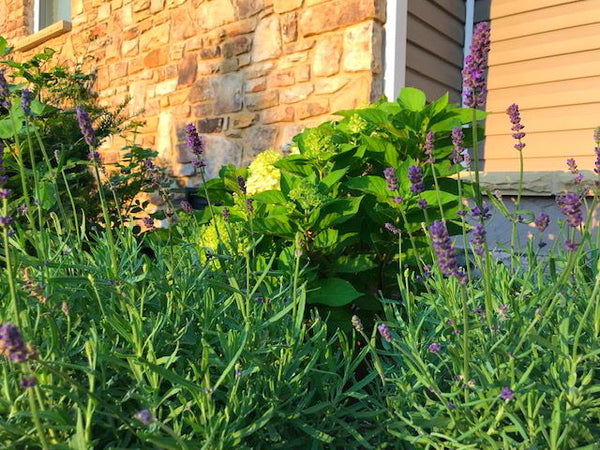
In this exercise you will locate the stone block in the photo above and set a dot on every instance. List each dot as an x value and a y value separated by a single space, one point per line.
256 85
328 52
339 13
267 39
140 5
201 91
289 27
220 151
288 132
360 43
330 85
281 6
259 139
166 87
259 70
187 70
227 93
261 100
296 93
244 120
156 6
303 73
129 48
156 58
182 170
210 52
229 65
213 125
282 78
213 14
312 108
182 22
164 135
247 8
244 60
237 46
278 114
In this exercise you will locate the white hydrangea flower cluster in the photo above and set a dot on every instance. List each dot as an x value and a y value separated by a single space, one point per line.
262 175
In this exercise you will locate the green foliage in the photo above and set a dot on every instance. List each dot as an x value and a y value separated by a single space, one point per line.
333 202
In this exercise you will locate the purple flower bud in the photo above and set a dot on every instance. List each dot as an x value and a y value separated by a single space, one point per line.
474 90
483 212
541 221
26 382
517 128
503 311
26 97
148 223
22 209
390 179
398 199
225 214
5 193
144 416
385 332
457 145
186 207
478 239
85 126
434 347
570 205
428 147
12 345
241 184
506 394
391 228
415 176
422 204
4 92
5 221
572 165
249 206
94 157
571 245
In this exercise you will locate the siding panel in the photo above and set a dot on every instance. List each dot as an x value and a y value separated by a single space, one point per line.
547 19
545 56
566 41
435 33
501 8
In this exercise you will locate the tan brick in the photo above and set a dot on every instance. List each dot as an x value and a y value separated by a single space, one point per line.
312 109
281 6
244 120
296 93
328 52
261 100
255 85
339 13
283 78
278 114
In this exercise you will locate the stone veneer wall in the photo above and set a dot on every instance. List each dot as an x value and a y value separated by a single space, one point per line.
249 73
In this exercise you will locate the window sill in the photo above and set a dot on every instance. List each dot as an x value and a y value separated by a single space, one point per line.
51 31
535 184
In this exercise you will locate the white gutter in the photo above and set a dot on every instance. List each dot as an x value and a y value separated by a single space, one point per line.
395 47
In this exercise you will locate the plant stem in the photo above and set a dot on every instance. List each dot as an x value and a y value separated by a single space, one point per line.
108 229
9 267
36 419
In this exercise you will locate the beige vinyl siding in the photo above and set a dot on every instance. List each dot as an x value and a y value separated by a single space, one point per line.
545 56
434 47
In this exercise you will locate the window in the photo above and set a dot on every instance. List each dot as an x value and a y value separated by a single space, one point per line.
47 12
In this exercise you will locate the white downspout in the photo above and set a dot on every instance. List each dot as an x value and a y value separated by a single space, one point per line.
395 47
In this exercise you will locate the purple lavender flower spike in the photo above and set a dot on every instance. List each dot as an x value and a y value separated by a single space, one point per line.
186 207
26 97
12 344
85 126
434 347
474 90
4 92
398 199
517 128
225 214
390 179
506 394
26 382
483 212
422 204
572 165
5 221
241 184
194 142
570 205
541 221
457 145
385 332
391 228
429 139
148 222
571 245
5 193
415 176
144 416
478 239
249 206
442 247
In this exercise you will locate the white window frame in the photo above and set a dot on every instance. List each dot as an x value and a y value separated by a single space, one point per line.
36 15
395 47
